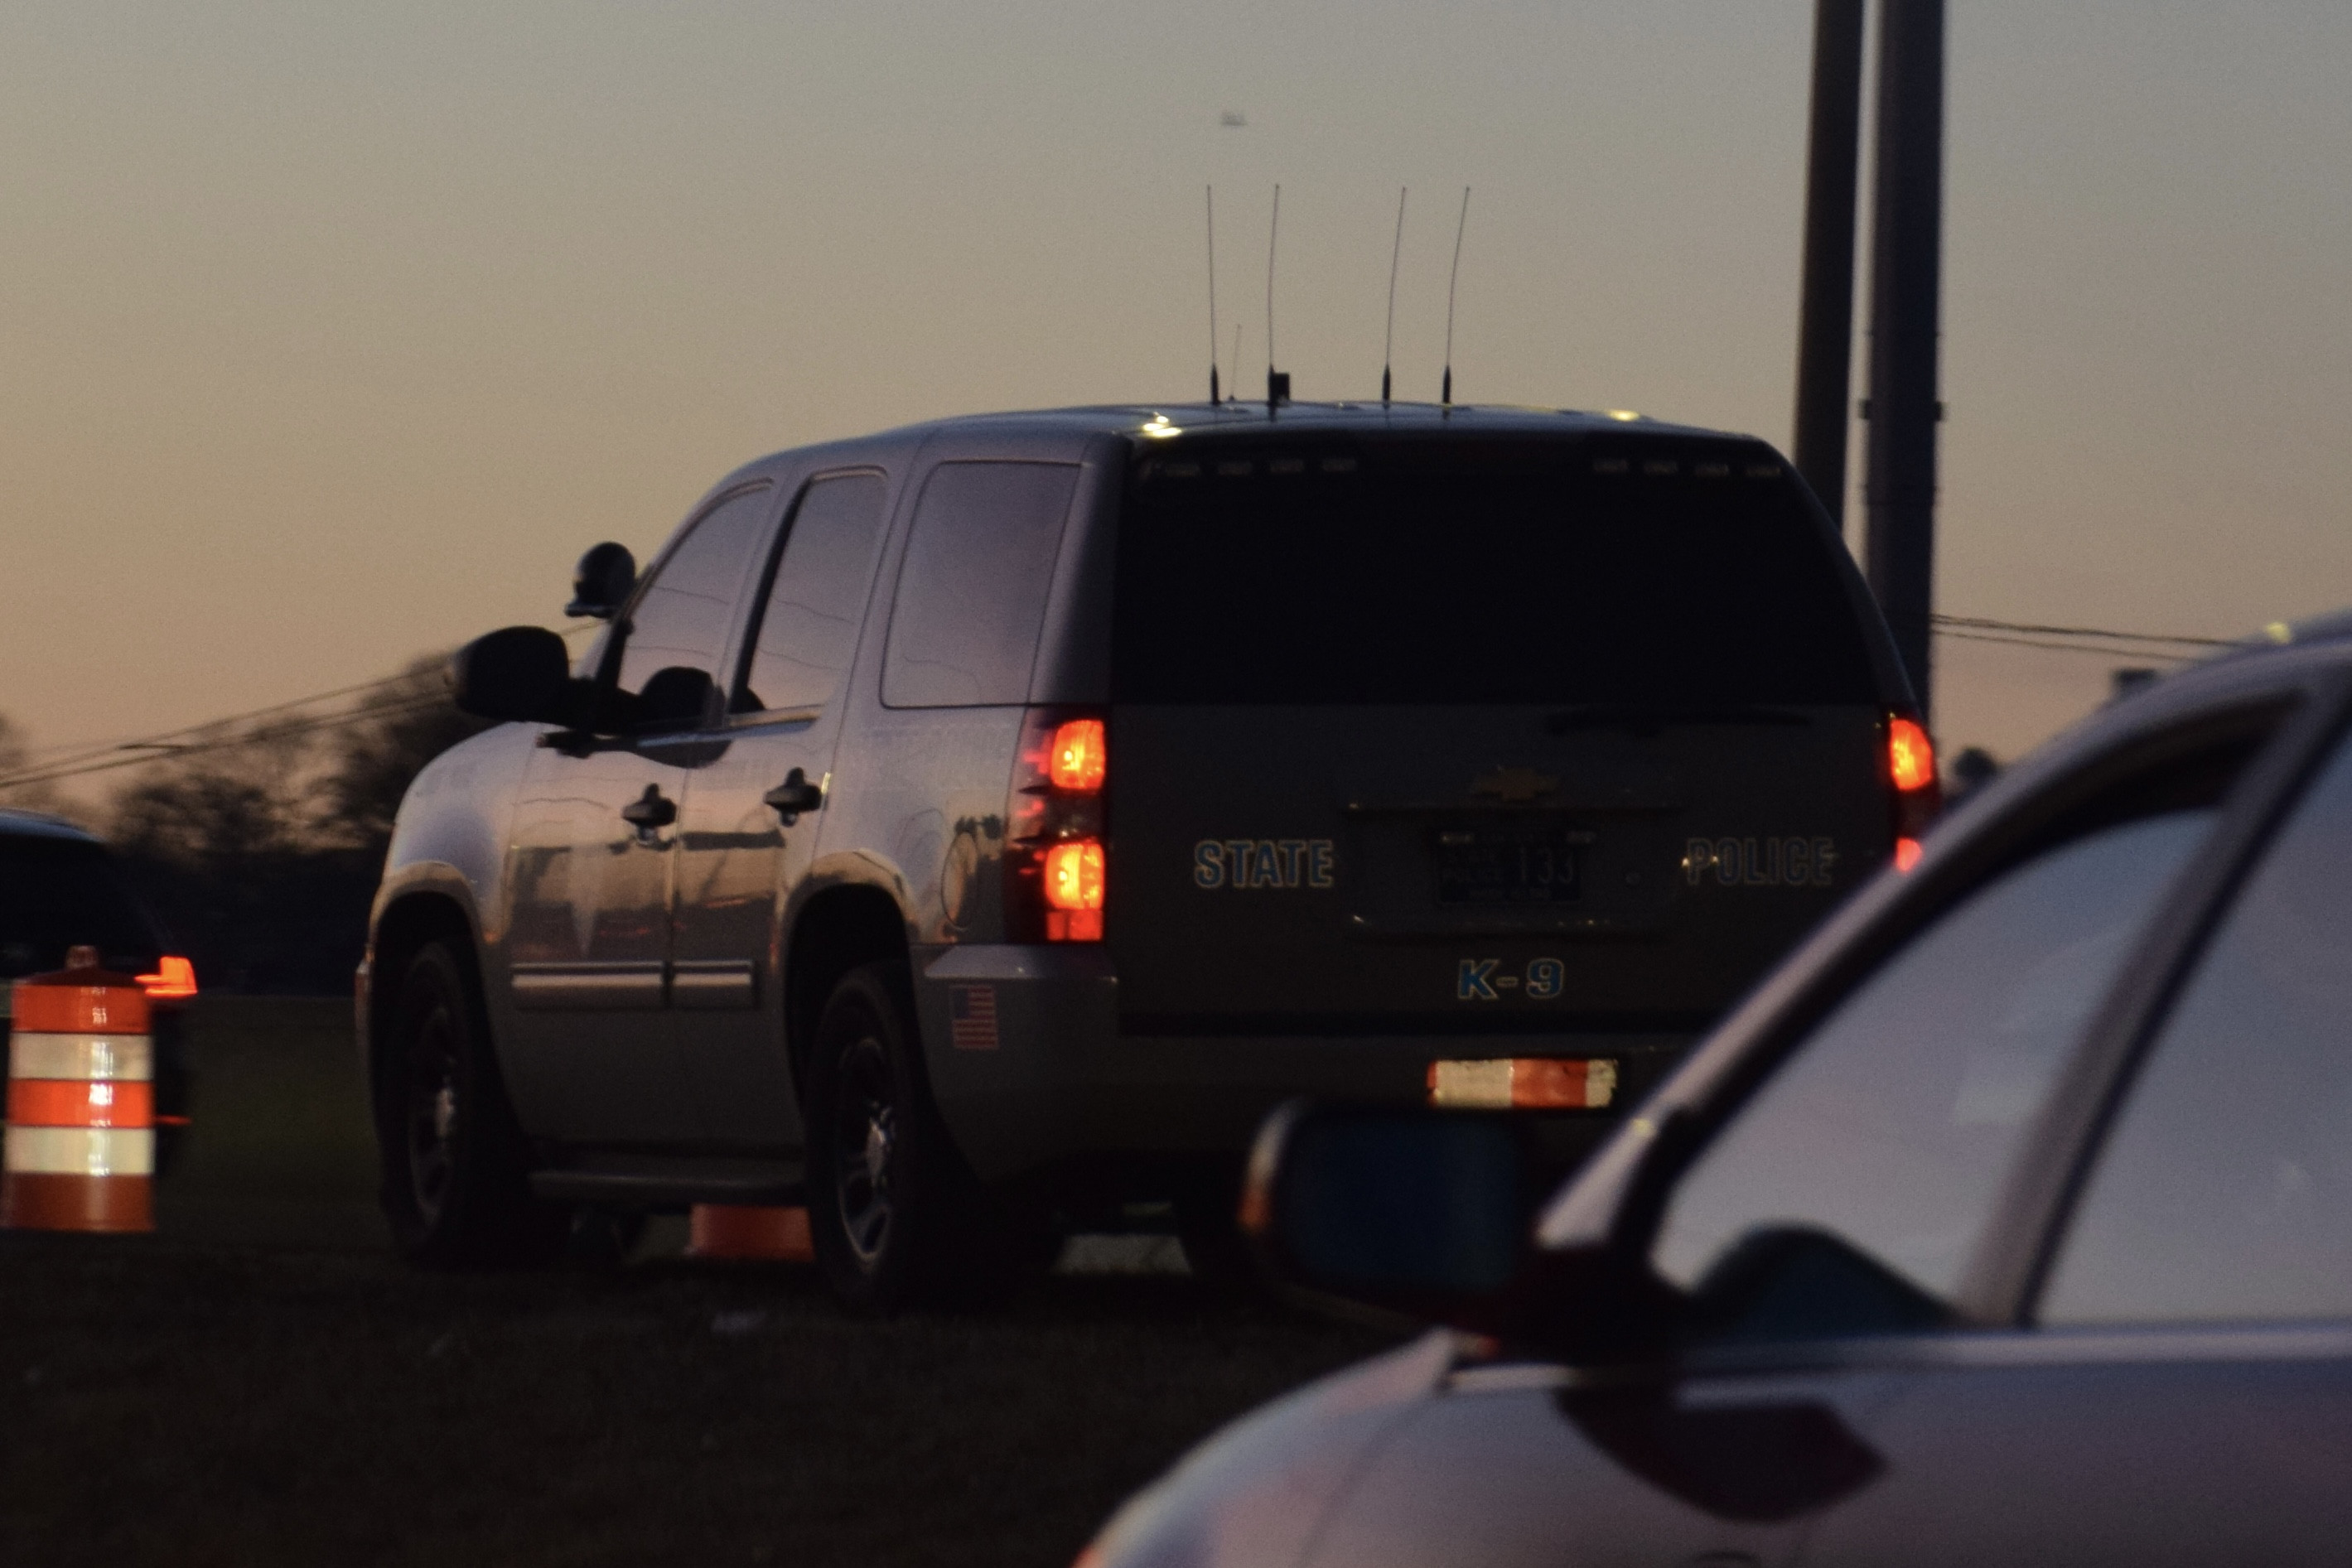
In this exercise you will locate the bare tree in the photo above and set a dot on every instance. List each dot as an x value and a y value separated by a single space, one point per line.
16 757
373 760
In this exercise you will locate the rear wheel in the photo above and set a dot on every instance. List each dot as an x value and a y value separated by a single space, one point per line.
888 1196
455 1173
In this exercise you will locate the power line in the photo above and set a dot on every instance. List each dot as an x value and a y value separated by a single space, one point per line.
161 741
1981 624
92 748
2103 652
396 708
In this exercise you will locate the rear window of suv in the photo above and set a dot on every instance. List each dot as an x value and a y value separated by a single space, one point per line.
58 892
1652 572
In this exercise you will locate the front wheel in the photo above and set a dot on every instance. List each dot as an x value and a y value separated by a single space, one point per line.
888 1196
455 1175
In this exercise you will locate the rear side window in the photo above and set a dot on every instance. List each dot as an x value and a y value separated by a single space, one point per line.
971 591
1680 574
2225 1189
808 630
56 893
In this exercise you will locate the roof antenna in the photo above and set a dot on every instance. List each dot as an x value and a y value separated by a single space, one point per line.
1388 347
1447 396
1234 365
1278 384
1213 297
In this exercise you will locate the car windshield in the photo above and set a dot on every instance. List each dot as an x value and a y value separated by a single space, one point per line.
1661 572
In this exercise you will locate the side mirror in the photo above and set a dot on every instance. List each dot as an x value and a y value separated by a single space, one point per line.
1429 1216
1420 1214
521 672
676 698
601 583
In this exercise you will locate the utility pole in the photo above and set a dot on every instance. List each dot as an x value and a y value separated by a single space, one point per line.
1825 312
1906 263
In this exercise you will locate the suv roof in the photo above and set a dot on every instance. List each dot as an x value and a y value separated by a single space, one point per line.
1148 421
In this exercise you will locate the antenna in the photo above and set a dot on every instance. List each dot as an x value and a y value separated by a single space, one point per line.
1234 365
1213 297
1388 345
1452 278
1277 385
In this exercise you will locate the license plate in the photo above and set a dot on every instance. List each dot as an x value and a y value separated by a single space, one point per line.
1509 865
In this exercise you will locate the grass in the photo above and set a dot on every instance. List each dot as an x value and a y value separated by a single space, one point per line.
261 1383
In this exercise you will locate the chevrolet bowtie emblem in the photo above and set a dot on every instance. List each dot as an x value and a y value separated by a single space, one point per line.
1515 785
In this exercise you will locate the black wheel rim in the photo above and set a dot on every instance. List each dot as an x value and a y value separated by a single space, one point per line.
432 1109
865 1150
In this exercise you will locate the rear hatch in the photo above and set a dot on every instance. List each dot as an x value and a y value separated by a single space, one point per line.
1425 735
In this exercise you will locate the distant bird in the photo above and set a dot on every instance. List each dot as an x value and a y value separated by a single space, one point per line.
1233 119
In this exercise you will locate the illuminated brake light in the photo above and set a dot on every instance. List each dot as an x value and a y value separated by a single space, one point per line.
1078 758
1910 757
1074 876
1906 854
1074 892
1057 828
175 980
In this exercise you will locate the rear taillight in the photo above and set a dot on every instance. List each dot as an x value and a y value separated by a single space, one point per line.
174 980
1912 785
1054 855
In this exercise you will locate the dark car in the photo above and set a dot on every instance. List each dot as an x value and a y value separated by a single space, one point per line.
61 888
1026 804
2009 1221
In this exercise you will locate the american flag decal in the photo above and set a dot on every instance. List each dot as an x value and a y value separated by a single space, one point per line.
972 1012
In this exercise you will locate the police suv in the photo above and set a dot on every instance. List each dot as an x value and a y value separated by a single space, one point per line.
991 819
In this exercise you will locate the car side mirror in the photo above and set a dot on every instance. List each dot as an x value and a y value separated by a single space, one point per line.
678 696
1417 1214
1429 1216
601 583
523 673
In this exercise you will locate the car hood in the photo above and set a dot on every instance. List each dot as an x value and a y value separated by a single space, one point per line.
1252 1494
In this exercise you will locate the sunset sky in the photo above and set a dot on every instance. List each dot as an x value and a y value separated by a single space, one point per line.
331 334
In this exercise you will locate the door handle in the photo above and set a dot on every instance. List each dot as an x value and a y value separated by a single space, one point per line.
649 812
793 796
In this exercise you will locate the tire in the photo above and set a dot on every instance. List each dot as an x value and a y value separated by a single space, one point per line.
890 1199
456 1170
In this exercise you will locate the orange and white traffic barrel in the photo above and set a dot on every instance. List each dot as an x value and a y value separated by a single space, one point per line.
81 1135
743 1232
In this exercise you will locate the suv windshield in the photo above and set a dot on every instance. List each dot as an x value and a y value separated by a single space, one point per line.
1651 573
60 893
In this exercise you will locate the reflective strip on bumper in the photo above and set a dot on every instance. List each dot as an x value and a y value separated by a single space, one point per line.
80 1151
1524 1083
119 1057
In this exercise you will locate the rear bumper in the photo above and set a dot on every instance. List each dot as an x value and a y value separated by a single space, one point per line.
1030 1068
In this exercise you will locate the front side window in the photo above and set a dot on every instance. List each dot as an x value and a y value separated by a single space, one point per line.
809 629
2225 1188
1850 1193
971 593
678 628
